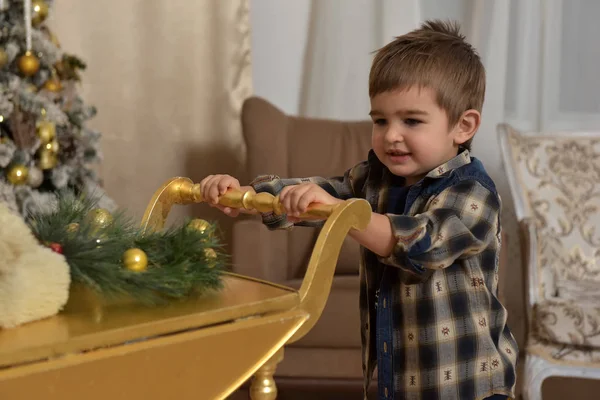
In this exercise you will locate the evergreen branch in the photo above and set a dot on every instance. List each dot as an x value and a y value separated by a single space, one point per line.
177 264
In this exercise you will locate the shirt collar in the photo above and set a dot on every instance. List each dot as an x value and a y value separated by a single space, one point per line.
463 158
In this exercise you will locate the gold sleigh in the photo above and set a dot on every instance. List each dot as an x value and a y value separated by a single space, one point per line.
201 348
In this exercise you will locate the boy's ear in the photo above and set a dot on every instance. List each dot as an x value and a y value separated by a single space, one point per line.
467 126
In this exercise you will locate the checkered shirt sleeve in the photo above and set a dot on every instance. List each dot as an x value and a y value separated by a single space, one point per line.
343 187
461 221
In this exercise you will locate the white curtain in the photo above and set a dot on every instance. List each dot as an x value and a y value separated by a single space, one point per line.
342 37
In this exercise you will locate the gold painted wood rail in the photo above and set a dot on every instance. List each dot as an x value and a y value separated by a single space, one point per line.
199 348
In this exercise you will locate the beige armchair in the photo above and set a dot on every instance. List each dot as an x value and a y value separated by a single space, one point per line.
555 183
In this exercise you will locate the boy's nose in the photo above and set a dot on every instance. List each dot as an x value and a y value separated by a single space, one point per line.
393 135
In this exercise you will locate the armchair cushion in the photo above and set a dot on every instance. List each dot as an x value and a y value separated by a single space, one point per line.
568 322
578 290
564 354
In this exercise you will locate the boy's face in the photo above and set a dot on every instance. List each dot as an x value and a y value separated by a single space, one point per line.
410 132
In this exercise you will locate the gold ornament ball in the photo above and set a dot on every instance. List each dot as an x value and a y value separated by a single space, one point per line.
135 260
73 227
3 58
99 218
46 131
199 225
29 65
39 11
211 257
52 146
53 85
17 174
48 159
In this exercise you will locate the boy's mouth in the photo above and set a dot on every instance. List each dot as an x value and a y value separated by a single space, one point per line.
398 156
397 153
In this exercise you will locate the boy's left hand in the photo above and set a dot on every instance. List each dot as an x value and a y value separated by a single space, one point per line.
296 199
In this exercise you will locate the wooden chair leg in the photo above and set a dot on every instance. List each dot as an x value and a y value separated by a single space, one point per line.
263 385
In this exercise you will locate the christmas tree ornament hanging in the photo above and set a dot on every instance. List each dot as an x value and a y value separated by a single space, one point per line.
211 257
3 58
56 247
73 227
200 225
53 85
28 64
17 174
47 159
35 177
68 68
135 260
99 218
52 146
39 12
46 131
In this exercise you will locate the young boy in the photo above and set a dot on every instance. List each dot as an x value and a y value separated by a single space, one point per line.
431 318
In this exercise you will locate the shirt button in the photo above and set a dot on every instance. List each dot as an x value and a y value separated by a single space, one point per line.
385 392
385 347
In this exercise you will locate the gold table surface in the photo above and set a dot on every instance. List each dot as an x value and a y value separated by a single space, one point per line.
71 332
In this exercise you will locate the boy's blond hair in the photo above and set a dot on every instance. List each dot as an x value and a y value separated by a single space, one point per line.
435 56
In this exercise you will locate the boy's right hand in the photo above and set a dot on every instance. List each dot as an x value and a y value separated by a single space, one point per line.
214 186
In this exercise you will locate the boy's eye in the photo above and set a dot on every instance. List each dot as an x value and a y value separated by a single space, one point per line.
379 121
412 121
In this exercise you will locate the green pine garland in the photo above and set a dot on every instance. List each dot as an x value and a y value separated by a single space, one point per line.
177 263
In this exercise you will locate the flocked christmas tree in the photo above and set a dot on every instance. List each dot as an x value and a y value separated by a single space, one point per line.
45 145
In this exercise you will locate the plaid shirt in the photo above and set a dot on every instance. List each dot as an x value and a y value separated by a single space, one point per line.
449 332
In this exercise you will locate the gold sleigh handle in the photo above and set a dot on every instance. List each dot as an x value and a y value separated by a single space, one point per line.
353 213
184 191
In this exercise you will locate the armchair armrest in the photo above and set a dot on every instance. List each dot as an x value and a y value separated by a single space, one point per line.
259 252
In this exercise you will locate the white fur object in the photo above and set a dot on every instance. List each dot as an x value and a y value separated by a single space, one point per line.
34 280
